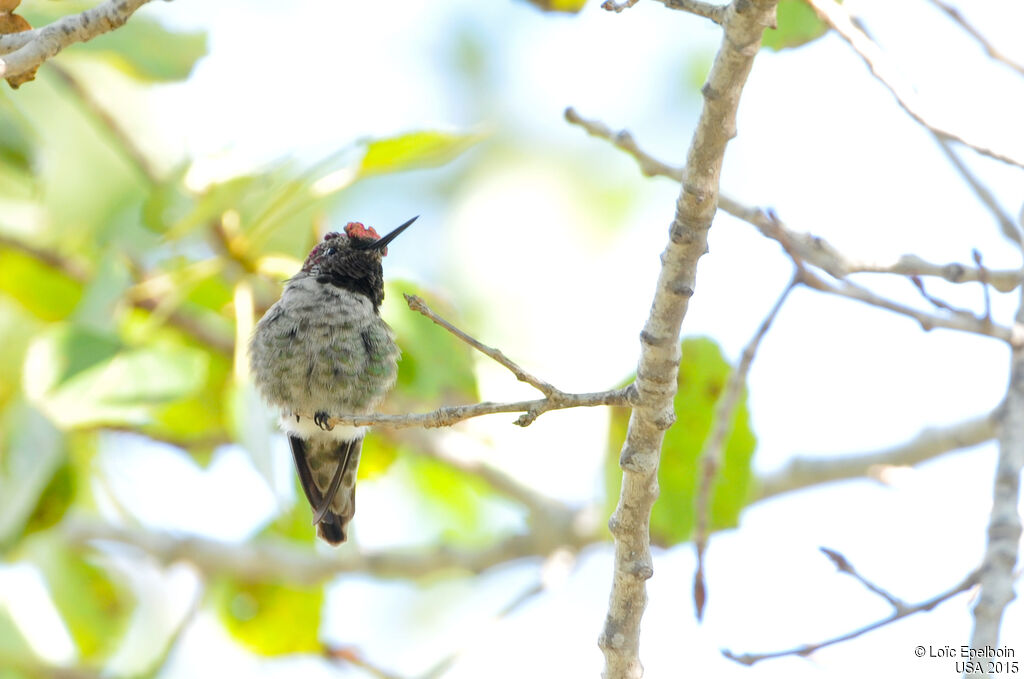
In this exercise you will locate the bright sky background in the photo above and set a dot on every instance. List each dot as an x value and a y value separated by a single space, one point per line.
819 140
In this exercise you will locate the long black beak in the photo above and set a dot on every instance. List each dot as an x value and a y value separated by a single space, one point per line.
382 243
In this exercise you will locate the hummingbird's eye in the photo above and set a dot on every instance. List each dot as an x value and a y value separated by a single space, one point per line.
330 251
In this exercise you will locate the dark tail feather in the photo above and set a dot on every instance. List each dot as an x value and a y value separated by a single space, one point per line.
330 525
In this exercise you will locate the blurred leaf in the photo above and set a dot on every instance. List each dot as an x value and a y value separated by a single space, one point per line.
703 372
79 377
272 619
32 452
44 291
142 48
168 202
435 368
92 606
413 151
12 644
798 24
456 500
17 328
17 146
53 501
571 6
379 453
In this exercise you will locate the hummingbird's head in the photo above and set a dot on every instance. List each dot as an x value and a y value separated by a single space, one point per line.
351 259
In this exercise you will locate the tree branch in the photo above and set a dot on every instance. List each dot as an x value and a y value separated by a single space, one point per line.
810 248
449 415
28 50
271 561
702 9
1004 526
838 18
990 50
804 472
658 366
900 611
710 458
1006 223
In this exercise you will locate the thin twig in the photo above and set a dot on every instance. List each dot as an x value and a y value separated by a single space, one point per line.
803 651
839 19
990 50
448 415
1006 223
711 456
805 472
707 10
812 249
935 301
617 7
983 279
844 566
417 304
27 50
964 322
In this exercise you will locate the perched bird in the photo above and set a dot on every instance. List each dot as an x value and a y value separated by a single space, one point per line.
323 350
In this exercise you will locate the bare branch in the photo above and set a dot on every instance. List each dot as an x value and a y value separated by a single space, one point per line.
990 50
449 415
417 304
804 472
962 321
658 366
710 458
838 18
1006 223
28 50
844 566
702 9
812 249
617 7
899 614
649 165
1004 526
267 561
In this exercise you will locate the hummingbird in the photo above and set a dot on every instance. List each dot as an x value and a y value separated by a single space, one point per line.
322 349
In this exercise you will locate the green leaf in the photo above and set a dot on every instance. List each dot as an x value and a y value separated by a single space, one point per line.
435 368
93 607
32 452
413 151
79 377
703 373
142 48
570 6
272 619
44 291
798 24
457 501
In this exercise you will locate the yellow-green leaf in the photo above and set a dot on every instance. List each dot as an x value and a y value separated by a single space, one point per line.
413 151
703 372
272 619
798 24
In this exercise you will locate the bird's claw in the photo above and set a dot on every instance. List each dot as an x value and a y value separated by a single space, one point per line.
322 420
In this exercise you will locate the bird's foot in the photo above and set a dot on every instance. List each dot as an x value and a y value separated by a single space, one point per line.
322 420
